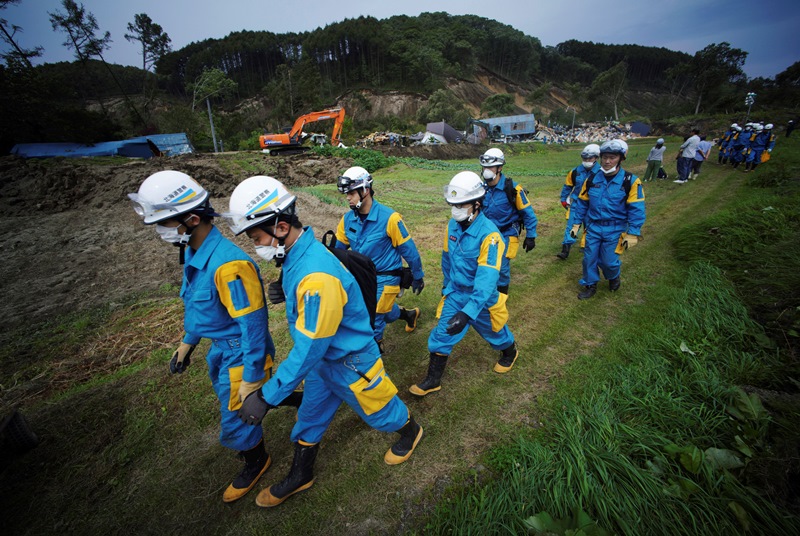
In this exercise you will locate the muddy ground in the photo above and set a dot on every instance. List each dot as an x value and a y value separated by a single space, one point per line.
70 240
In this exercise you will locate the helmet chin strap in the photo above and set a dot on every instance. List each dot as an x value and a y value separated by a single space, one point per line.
360 200
185 237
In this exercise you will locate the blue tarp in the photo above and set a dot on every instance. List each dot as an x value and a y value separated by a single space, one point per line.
167 144
642 129
511 125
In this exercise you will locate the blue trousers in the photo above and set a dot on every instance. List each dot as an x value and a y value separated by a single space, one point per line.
570 222
440 342
755 156
234 433
328 385
598 254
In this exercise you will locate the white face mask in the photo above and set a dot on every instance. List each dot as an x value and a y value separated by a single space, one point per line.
266 252
460 214
611 171
488 174
588 165
171 235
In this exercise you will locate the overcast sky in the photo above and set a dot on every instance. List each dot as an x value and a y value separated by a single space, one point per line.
769 30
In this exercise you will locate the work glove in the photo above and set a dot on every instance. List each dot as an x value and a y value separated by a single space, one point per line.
457 323
417 285
245 388
254 407
181 358
769 150
275 292
631 240
574 231
565 205
529 243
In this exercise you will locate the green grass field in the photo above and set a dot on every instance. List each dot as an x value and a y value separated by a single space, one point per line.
621 415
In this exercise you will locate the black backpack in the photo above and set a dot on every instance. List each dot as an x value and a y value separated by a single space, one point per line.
511 194
363 270
661 173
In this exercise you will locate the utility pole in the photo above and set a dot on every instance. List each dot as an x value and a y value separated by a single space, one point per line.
211 120
749 100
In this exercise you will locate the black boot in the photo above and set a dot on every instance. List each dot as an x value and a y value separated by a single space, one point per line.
613 284
588 292
432 381
507 358
410 317
564 251
300 477
724 160
410 434
256 461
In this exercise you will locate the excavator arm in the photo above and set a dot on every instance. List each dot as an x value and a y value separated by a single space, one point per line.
293 140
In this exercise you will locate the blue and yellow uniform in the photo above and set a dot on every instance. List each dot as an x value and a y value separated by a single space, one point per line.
572 187
334 348
224 301
382 236
498 209
724 141
471 261
740 146
760 142
608 211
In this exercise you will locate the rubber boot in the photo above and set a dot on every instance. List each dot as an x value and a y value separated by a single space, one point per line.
724 161
564 251
588 292
256 462
432 381
300 477
410 316
613 284
507 358
736 165
753 166
410 434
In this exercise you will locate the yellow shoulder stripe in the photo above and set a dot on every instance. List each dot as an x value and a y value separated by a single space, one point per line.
239 288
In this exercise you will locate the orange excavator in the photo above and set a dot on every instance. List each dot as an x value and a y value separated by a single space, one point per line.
292 141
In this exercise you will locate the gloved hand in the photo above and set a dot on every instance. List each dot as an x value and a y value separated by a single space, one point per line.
417 285
769 150
457 323
529 243
565 205
275 292
254 408
245 388
574 231
181 358
631 240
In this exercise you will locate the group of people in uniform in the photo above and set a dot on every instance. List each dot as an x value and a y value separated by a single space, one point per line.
751 144
337 352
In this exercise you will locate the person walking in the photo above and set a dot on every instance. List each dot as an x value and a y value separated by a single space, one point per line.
378 232
506 204
571 189
702 154
223 301
471 260
724 141
654 160
611 203
334 350
685 156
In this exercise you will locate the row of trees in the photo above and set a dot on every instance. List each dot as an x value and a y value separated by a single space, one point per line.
294 73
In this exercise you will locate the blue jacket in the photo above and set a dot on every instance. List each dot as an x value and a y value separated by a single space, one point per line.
505 216
606 203
382 236
471 262
726 138
327 316
574 181
223 298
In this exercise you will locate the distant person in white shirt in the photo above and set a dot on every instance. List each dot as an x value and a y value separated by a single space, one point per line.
703 150
655 160
686 155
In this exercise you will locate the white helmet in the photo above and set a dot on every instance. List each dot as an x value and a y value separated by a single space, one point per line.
769 126
738 128
354 178
168 194
492 157
464 187
734 125
615 147
258 200
758 127
590 150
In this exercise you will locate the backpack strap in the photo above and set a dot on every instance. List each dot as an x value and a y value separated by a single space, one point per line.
626 183
511 194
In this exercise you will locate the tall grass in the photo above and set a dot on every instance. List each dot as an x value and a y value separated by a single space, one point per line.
650 447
